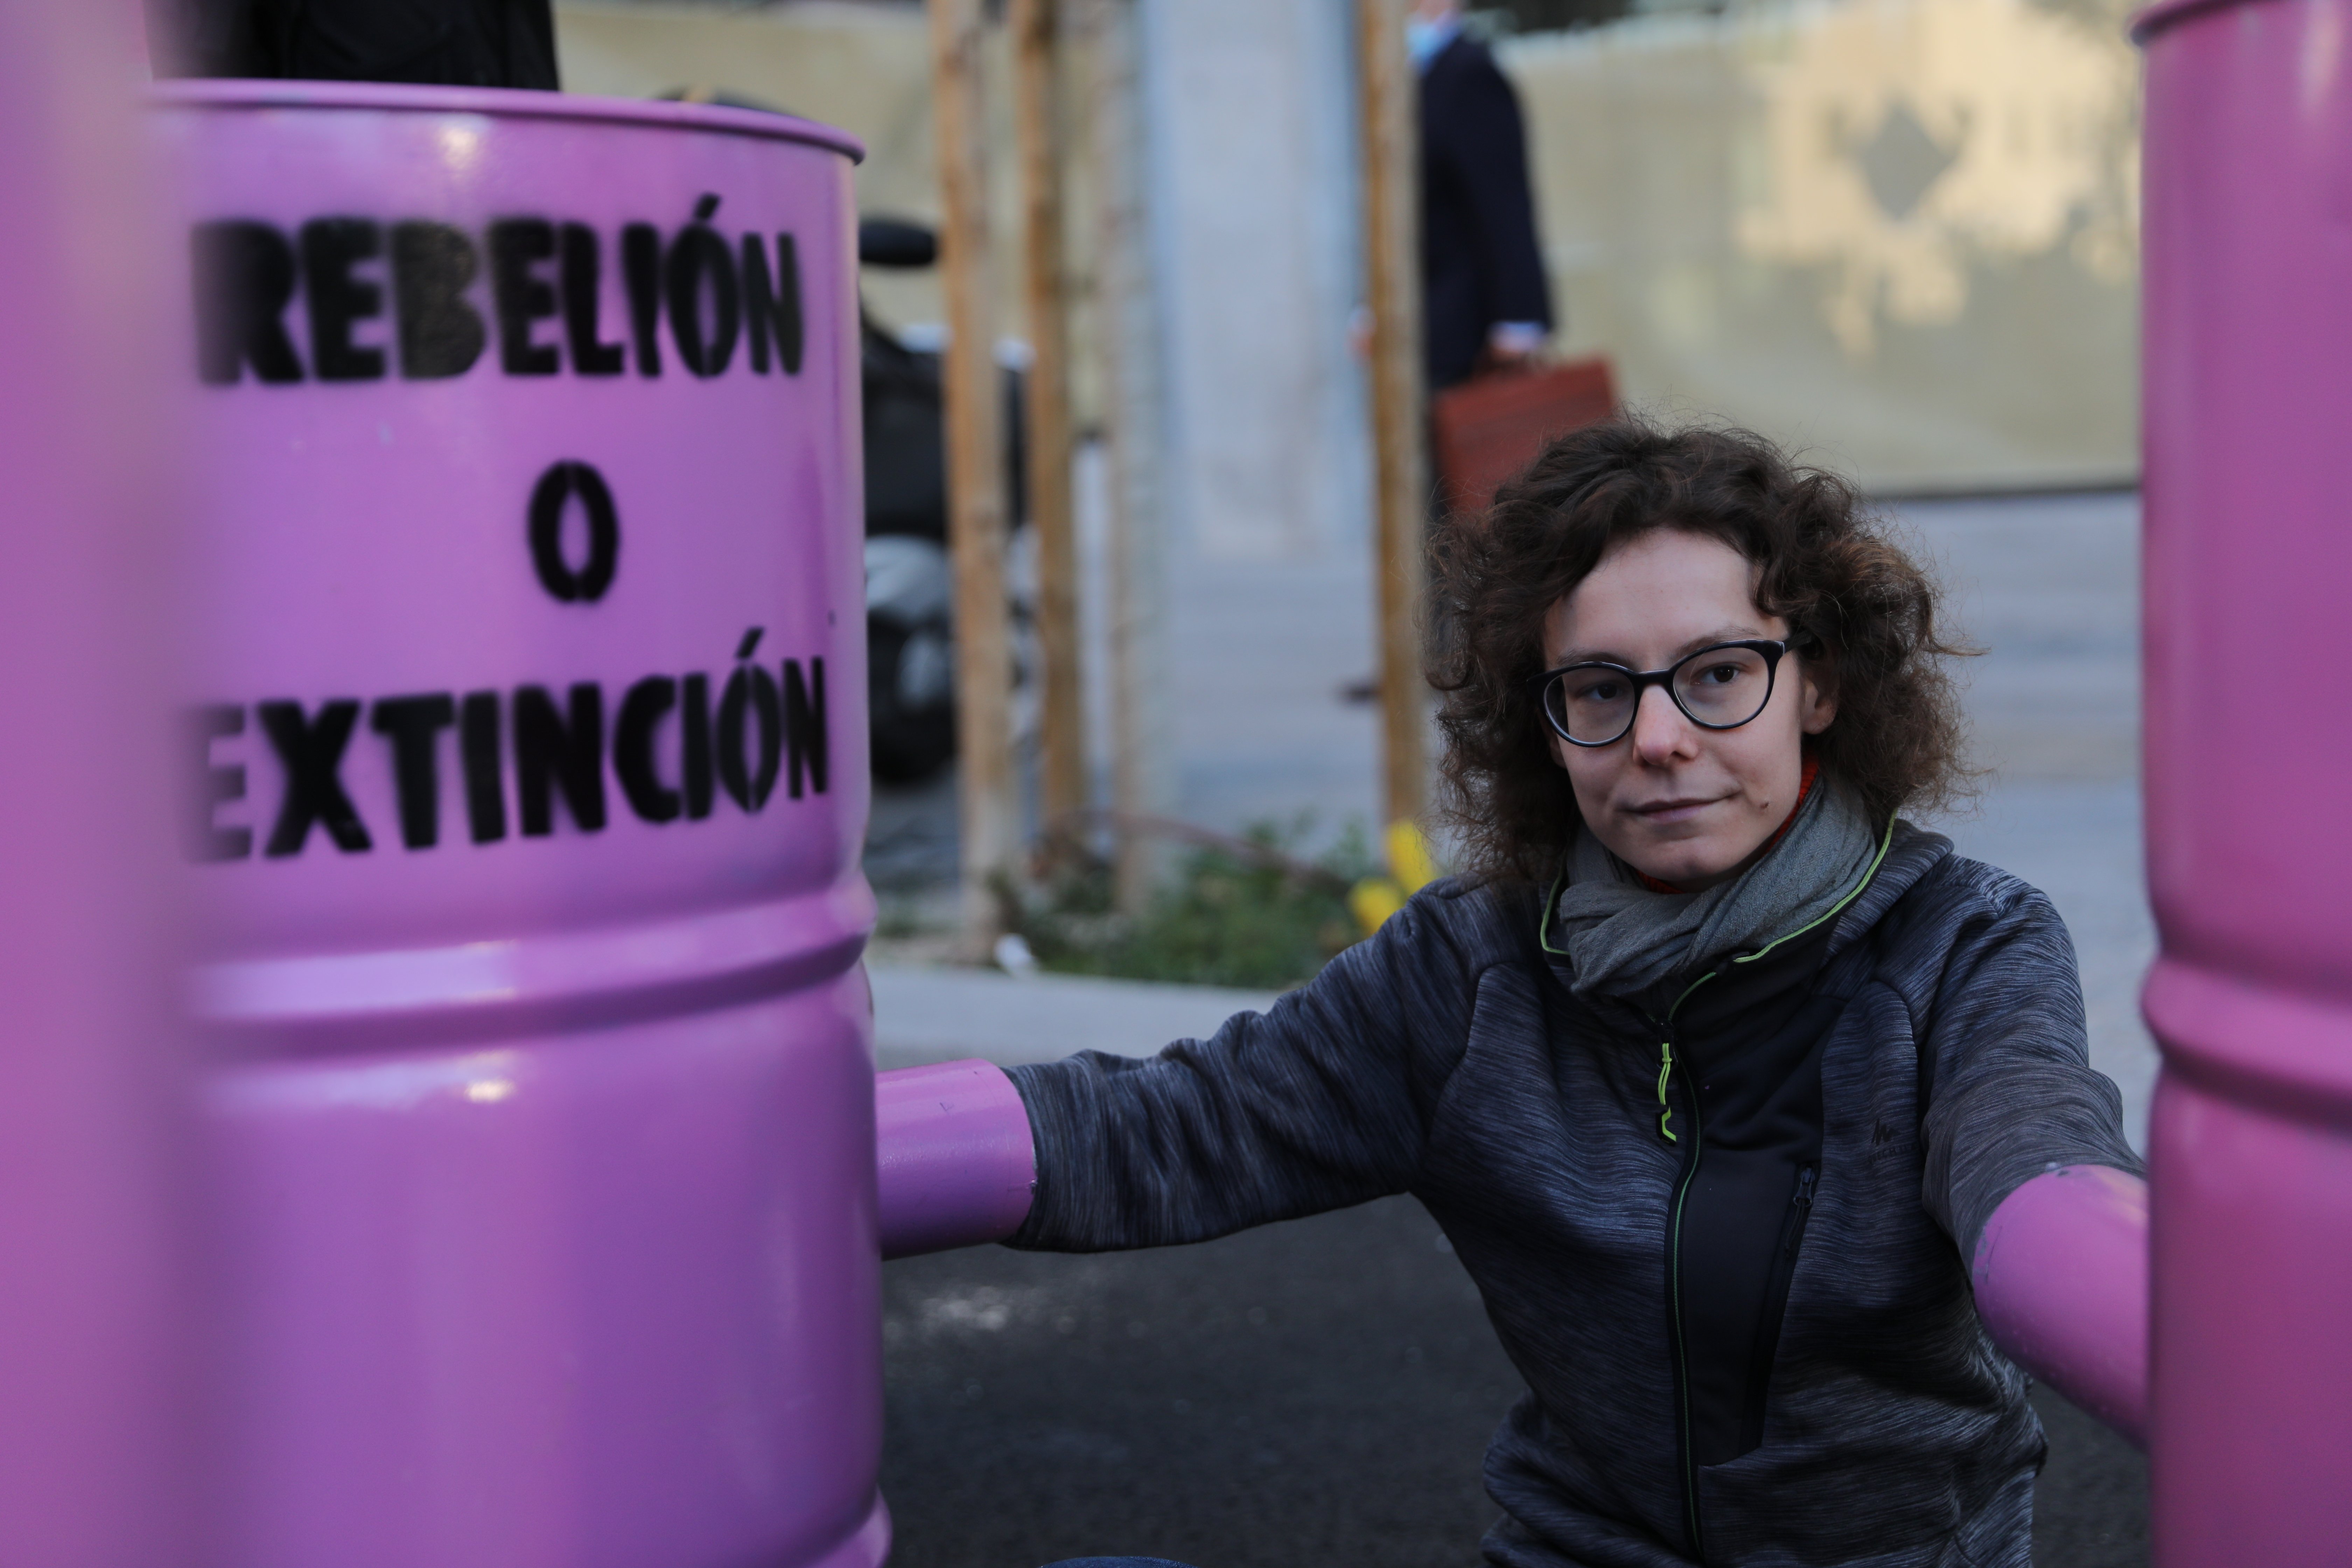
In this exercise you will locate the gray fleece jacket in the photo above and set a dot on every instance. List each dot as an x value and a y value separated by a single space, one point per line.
1935 1035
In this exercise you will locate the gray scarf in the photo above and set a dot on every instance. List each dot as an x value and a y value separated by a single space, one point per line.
1621 939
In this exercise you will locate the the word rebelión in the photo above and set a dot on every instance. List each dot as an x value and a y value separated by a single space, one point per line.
544 292
759 731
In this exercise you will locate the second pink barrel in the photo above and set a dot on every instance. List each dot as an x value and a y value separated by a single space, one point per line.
525 753
2249 564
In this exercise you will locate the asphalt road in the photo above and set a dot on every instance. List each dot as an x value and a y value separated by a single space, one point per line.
1309 1393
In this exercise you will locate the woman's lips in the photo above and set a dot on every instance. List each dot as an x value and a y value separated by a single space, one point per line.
1679 810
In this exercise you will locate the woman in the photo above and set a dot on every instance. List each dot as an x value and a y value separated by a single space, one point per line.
1711 1067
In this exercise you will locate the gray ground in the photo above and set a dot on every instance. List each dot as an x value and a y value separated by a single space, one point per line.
1313 1394
1321 1391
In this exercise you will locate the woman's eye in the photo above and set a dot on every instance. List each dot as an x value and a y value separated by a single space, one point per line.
1720 674
1600 691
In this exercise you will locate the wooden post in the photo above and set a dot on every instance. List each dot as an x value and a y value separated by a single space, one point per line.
988 817
1037 30
1387 94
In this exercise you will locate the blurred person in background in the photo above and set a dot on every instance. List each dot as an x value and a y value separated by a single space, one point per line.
449 43
1484 304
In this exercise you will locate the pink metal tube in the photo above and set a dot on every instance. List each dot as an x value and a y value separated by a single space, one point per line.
97 1463
955 1161
2248 551
2061 1276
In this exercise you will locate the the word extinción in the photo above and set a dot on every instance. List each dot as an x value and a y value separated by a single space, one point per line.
760 730
545 293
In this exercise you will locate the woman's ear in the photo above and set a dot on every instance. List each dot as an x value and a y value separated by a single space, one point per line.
1817 692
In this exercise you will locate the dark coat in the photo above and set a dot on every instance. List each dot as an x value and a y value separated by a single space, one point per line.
1934 1038
450 43
1480 262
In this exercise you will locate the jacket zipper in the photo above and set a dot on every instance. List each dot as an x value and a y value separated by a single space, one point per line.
1681 1351
1666 1069
1666 1110
1802 1204
1765 1350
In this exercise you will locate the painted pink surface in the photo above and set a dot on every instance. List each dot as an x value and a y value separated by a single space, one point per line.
544 1113
2248 237
2253 1220
957 1164
559 1300
98 1459
2061 1277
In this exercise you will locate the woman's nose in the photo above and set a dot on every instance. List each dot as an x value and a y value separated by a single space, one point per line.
1661 731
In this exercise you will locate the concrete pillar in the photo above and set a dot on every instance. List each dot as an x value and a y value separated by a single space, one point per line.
1252 236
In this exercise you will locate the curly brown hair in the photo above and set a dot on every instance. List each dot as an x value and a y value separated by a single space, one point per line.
1859 609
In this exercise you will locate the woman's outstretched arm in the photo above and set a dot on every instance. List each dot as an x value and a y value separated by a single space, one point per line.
1321 1102
2027 1165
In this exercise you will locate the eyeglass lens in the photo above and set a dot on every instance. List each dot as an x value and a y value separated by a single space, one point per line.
1720 688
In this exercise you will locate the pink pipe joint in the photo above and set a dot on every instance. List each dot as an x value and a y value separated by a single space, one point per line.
2061 1277
954 1157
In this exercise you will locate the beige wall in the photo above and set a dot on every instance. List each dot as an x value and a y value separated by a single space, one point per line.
1901 232
865 68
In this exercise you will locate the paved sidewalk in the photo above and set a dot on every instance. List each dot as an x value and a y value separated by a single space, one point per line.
942 1014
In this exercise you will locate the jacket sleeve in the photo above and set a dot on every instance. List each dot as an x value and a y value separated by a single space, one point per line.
2010 1091
1321 1102
1487 144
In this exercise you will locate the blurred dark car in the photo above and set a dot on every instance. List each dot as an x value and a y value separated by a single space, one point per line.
910 590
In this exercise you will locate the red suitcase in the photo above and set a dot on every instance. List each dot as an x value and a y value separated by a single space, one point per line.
1488 428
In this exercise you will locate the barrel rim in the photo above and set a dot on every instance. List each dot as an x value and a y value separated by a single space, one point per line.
597 976
2146 23
506 103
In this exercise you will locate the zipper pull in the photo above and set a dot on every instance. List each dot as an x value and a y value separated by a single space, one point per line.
1802 1201
1665 1071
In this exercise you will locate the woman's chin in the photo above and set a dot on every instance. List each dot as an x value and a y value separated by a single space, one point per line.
1693 879
1689 864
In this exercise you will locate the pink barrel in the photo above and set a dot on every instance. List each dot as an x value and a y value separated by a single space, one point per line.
2249 750
98 1461
527 758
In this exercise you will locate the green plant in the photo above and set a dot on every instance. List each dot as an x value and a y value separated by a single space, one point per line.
1244 913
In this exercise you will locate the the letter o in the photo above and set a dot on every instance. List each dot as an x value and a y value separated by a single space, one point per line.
556 487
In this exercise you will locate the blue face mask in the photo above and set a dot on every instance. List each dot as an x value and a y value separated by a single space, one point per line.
1424 39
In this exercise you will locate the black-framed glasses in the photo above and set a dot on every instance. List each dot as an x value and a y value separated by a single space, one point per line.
1717 688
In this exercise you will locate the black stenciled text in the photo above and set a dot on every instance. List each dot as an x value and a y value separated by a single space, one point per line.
482 764
428 300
